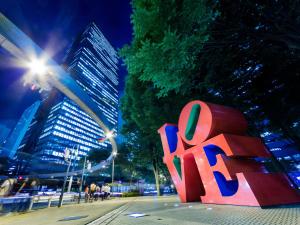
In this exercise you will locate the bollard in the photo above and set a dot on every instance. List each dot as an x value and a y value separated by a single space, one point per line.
31 203
49 202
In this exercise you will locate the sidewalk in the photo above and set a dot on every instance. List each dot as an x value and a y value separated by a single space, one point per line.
157 210
168 210
47 216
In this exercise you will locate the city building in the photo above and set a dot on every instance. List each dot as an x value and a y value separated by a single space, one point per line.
4 132
12 143
92 62
287 154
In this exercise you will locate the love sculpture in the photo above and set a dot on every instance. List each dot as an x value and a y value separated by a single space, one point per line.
211 159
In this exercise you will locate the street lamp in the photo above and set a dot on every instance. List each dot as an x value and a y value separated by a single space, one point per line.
109 134
66 156
37 71
37 66
88 167
113 167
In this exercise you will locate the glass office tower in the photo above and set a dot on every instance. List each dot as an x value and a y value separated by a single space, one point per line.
14 140
92 62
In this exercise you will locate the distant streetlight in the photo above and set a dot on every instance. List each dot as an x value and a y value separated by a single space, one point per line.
113 167
67 155
108 135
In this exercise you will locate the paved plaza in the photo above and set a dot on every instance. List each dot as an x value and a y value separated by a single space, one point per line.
168 210
156 210
55 215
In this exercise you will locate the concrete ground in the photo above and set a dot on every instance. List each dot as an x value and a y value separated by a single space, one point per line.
53 215
168 210
158 210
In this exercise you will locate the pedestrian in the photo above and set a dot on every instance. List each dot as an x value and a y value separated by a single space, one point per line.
108 191
97 194
92 191
103 192
7 187
86 193
33 188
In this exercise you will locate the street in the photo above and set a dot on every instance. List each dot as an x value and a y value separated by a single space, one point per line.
157 210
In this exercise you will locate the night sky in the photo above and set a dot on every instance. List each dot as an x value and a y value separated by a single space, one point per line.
53 25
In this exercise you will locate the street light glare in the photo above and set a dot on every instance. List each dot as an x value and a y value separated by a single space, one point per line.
37 66
109 134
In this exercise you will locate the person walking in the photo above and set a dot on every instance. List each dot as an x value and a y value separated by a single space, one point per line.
7 187
98 192
86 193
92 191
103 192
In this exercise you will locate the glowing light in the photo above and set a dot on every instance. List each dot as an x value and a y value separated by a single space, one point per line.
137 215
37 66
114 153
109 134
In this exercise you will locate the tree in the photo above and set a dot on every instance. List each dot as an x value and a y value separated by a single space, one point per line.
144 113
126 167
243 54
97 155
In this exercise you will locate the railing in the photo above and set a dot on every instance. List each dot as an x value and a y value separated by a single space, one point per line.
26 203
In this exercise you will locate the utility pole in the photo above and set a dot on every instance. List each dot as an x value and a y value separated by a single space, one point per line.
81 181
71 177
113 170
114 154
67 153
64 185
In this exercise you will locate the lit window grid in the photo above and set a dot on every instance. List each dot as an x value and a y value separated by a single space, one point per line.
108 93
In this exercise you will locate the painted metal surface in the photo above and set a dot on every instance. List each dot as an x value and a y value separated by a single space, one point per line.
217 159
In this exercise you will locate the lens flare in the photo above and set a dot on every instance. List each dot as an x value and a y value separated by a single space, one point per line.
37 67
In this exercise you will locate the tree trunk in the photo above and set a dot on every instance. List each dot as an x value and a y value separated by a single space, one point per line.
156 175
130 181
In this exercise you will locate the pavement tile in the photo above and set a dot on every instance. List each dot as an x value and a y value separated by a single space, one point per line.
158 210
170 211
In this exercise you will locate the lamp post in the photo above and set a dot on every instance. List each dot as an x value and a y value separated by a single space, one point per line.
81 181
71 178
113 167
109 135
67 153
64 185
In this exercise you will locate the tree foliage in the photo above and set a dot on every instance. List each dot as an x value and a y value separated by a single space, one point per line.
97 155
144 113
243 54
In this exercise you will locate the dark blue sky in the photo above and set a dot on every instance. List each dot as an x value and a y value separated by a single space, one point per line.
53 24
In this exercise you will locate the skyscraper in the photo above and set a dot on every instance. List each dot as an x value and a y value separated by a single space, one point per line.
4 132
92 62
13 141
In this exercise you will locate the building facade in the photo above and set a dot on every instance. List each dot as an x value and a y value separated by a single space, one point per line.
92 62
287 154
4 132
12 144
